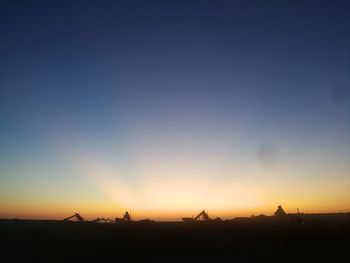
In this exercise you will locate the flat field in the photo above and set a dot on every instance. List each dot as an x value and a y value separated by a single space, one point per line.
315 238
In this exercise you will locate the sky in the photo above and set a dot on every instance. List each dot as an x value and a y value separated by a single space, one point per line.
165 108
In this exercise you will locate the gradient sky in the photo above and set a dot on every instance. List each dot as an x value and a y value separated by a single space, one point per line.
167 108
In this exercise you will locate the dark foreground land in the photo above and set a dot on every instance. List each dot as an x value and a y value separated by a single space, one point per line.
317 238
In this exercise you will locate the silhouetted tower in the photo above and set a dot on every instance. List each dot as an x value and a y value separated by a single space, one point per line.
127 216
280 211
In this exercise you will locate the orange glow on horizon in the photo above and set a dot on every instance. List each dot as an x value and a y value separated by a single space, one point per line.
169 185
90 213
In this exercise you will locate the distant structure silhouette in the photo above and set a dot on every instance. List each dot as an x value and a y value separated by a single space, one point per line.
125 218
280 212
299 213
202 216
74 218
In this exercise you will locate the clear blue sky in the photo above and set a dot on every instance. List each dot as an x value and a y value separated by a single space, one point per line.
121 104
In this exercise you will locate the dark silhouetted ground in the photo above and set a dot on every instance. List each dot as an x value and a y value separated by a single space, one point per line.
314 238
